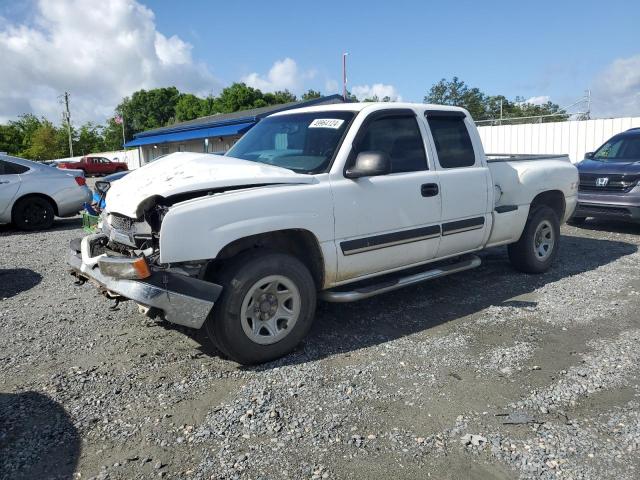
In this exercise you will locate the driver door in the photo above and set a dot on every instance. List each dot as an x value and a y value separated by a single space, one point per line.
389 221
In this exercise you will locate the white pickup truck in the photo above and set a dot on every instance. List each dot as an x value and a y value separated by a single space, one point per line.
339 202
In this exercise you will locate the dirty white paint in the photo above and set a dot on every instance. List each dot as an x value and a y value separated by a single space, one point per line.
573 138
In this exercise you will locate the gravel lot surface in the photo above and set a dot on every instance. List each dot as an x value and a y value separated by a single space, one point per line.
485 374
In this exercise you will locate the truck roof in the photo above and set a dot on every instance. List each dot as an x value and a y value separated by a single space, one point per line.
359 106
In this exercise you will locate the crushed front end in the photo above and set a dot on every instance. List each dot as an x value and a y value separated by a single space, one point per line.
122 260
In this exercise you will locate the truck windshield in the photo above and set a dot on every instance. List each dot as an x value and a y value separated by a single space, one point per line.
620 149
302 142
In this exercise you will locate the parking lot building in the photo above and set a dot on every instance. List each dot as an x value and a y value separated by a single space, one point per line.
213 133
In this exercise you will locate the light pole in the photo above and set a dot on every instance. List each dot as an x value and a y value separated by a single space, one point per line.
344 76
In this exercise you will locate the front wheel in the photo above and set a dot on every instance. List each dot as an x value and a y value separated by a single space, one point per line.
266 307
538 244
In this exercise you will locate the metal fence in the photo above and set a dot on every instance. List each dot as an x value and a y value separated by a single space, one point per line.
573 138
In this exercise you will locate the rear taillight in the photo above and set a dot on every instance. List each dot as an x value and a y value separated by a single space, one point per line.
81 181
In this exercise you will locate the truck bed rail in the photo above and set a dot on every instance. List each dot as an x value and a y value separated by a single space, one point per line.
521 157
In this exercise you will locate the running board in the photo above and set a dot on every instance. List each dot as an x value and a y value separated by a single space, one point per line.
399 282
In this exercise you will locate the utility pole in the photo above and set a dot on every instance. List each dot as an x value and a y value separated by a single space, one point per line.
500 111
124 139
68 119
589 104
344 76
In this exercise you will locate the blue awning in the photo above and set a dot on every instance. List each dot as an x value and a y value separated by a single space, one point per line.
221 131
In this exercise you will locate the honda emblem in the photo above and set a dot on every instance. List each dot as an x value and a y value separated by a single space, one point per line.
602 181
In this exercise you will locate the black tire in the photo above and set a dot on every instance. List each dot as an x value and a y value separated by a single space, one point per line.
224 326
33 213
525 255
577 221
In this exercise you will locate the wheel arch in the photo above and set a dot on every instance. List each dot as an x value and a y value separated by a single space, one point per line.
300 243
33 195
553 199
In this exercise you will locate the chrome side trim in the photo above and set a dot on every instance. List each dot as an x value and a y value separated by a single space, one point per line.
390 285
390 244
384 240
460 230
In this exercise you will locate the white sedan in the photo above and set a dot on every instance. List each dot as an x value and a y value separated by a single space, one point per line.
32 194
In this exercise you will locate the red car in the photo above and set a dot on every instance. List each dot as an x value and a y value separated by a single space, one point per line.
95 166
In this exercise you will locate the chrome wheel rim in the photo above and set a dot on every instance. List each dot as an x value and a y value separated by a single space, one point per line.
270 309
543 240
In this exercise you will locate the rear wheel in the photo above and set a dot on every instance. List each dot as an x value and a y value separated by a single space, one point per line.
538 245
266 307
33 213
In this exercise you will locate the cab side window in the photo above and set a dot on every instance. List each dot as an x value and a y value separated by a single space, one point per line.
8 168
452 140
400 138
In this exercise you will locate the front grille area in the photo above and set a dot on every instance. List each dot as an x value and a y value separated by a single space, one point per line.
120 222
615 182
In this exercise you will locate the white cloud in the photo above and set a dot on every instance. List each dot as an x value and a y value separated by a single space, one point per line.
379 90
616 91
99 51
539 100
283 75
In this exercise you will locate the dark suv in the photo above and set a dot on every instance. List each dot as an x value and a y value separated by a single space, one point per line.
609 180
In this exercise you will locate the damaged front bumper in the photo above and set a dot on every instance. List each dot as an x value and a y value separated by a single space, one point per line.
177 298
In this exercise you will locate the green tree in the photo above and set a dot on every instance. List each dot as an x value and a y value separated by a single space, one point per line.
279 97
375 98
44 143
26 125
10 139
311 94
189 107
90 140
147 109
237 97
112 135
485 107
456 92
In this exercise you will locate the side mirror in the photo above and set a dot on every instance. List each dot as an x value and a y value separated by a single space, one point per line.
370 164
588 155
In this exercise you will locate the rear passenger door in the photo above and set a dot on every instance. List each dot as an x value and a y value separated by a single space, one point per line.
464 182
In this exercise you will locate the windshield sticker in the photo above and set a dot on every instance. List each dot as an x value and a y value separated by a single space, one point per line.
334 123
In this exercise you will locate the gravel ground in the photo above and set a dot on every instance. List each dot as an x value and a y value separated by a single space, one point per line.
485 374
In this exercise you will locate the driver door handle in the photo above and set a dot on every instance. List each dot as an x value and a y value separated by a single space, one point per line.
429 189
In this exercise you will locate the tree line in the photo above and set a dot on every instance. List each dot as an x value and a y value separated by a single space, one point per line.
37 138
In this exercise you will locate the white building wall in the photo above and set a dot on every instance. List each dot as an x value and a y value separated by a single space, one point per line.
573 138
213 144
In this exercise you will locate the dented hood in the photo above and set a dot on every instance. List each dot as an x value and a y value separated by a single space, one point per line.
184 172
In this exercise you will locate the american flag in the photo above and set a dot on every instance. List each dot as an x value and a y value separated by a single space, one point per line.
118 119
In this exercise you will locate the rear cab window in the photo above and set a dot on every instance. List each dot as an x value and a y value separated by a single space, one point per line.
451 138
